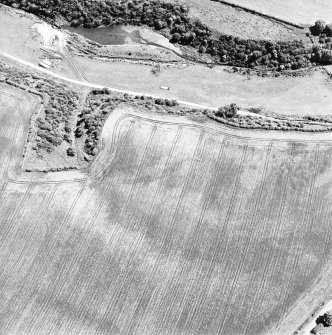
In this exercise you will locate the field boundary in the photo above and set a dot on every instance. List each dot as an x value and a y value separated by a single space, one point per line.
225 133
266 16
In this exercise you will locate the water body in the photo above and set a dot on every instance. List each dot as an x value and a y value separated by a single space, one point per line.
115 35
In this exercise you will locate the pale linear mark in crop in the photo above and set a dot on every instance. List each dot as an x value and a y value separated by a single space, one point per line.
164 248
305 222
209 190
250 237
123 211
63 226
275 233
20 258
151 210
202 298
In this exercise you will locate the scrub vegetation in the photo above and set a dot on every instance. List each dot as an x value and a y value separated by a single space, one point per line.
174 21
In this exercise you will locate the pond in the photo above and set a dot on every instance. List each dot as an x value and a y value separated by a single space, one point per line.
115 35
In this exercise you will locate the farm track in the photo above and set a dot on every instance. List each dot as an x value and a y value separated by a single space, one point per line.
75 66
265 140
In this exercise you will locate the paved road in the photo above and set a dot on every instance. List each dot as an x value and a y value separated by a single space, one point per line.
92 85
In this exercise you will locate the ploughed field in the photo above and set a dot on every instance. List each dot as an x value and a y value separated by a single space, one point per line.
177 229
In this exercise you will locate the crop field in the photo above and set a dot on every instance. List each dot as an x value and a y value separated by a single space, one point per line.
15 112
296 11
177 229
231 21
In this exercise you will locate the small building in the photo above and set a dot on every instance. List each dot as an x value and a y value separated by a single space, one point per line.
164 88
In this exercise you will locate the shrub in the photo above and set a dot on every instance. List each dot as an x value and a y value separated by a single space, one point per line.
318 27
70 152
229 111
328 30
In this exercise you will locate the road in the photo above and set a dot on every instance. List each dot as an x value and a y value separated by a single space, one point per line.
307 329
93 85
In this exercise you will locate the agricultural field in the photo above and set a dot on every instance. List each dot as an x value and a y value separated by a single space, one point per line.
16 109
125 211
177 227
233 21
296 11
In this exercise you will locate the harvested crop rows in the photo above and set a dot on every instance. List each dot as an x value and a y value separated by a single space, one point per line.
296 11
179 229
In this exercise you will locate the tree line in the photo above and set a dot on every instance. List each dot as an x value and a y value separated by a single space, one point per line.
174 21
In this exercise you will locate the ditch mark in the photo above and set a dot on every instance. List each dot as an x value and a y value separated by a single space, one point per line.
249 240
276 230
210 190
113 152
14 214
148 215
165 246
202 298
20 258
45 264
306 222
96 215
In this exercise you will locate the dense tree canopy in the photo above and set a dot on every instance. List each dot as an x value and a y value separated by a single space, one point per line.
175 21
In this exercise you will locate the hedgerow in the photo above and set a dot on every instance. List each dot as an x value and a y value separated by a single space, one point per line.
53 126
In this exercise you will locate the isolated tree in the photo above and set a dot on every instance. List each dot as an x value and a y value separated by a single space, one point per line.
70 152
227 111
318 27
